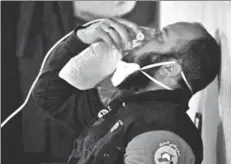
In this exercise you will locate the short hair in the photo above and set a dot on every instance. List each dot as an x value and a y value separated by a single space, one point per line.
200 59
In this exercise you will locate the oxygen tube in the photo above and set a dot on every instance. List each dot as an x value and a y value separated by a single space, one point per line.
40 72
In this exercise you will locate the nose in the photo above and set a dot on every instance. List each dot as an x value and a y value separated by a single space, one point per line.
148 32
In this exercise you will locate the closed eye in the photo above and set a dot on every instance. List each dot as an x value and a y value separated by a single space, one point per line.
164 34
159 37
165 30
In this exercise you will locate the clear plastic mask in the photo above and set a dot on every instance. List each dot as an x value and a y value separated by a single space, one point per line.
140 38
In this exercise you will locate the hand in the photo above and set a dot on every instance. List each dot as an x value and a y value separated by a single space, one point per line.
116 32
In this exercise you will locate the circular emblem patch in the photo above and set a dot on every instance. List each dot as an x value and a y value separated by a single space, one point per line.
166 154
102 113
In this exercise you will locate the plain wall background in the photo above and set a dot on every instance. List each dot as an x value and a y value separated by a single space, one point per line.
214 102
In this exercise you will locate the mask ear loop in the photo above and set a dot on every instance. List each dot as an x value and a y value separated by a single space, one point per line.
156 65
161 84
155 81
151 78
186 81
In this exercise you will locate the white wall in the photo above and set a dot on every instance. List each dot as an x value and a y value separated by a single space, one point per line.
215 101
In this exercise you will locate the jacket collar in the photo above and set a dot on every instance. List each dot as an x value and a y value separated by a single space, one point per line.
178 96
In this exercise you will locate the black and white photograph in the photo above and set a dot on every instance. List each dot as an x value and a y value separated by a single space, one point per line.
115 82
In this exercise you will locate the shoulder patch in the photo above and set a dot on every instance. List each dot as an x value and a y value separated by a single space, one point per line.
116 125
167 153
102 113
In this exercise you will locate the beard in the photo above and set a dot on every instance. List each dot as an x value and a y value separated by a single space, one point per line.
137 81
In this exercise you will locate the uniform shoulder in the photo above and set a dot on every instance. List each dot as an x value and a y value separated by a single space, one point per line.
156 147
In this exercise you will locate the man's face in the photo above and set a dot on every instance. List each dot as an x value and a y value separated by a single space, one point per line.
170 38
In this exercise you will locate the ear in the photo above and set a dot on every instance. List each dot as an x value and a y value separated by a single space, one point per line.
170 69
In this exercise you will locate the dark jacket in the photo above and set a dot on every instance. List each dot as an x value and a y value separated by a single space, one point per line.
134 114
38 26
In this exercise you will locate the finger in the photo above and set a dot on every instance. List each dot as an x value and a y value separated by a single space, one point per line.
106 38
116 38
129 24
122 31
113 34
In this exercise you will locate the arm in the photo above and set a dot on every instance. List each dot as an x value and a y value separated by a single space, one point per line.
158 147
59 100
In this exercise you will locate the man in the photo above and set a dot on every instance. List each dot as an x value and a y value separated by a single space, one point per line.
146 122
35 22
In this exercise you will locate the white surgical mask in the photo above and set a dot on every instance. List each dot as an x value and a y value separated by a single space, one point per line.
125 69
